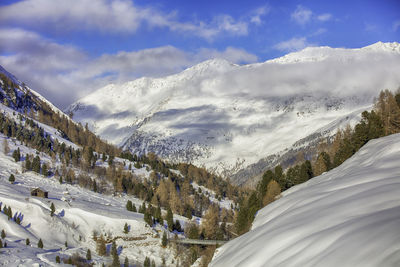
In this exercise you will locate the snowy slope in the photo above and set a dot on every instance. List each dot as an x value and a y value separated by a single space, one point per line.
226 117
79 212
349 216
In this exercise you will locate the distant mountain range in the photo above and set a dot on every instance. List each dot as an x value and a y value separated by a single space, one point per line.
237 120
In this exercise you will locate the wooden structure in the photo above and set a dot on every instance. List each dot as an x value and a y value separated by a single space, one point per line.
198 241
37 192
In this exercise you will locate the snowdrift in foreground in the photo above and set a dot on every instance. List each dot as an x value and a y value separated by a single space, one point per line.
349 216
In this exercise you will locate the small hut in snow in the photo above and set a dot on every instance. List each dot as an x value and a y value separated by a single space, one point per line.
37 192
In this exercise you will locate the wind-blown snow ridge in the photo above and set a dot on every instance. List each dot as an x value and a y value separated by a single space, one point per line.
226 117
349 216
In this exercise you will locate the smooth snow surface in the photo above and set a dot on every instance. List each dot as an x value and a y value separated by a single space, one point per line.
226 117
349 216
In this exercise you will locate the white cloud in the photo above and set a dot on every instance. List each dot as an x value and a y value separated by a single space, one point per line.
118 16
63 73
324 17
396 25
294 44
301 15
232 54
256 15
318 32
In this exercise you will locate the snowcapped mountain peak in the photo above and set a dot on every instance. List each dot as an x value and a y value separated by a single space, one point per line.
215 65
213 113
380 46
319 53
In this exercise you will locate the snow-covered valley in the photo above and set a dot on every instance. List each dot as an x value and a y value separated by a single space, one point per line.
227 117
349 216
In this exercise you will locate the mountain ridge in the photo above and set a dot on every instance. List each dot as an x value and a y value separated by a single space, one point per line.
212 114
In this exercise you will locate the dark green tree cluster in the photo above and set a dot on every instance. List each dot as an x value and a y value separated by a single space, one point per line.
130 206
16 155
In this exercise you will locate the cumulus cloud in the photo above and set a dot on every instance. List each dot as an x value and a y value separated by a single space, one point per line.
301 15
118 16
255 16
64 73
324 17
294 44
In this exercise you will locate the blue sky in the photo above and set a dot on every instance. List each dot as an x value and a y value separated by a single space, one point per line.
66 49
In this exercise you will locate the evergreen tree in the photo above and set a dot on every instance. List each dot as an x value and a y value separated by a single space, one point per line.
126 228
27 242
101 246
16 155
170 219
44 170
28 164
114 254
36 164
1 244
158 216
146 262
94 186
52 209
129 205
148 218
58 260
66 244
40 243
89 255
3 234
12 178
126 262
60 180
164 241
153 263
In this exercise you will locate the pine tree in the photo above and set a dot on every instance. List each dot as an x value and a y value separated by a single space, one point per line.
3 234
60 180
129 205
114 254
12 178
28 164
126 262
36 164
58 260
40 243
170 219
126 228
89 255
146 262
1 244
27 242
158 216
153 263
16 155
101 246
164 241
44 170
52 209
94 186
66 244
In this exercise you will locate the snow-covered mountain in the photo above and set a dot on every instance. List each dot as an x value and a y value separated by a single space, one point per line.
227 117
16 95
349 216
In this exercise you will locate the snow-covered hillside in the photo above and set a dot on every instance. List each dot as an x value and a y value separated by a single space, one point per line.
226 116
79 214
349 216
